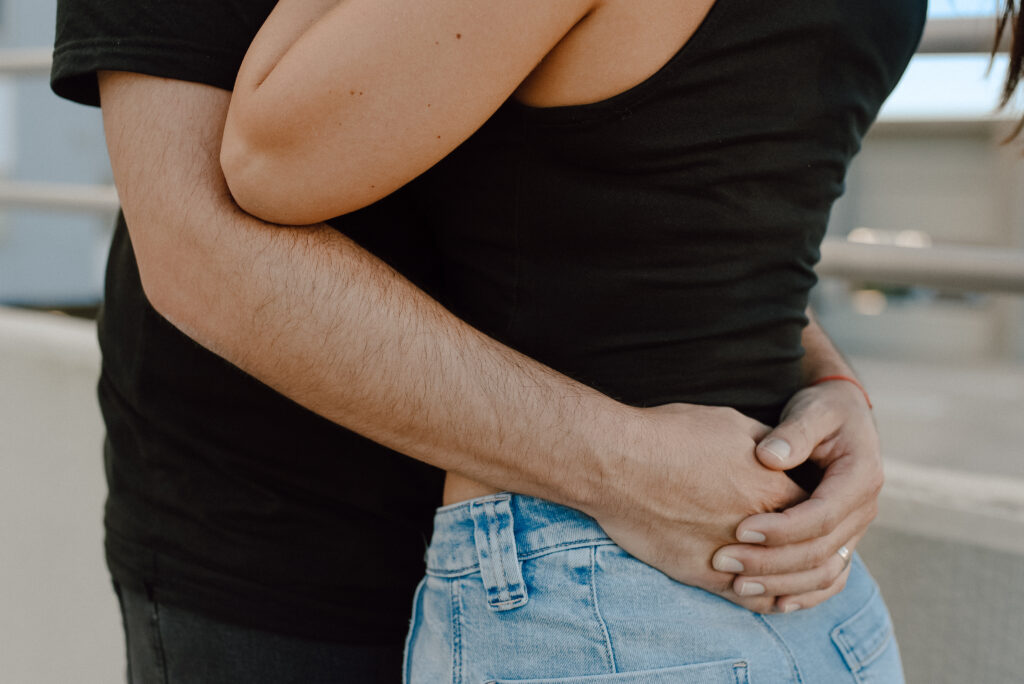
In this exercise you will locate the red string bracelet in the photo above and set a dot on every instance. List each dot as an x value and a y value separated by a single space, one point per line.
846 378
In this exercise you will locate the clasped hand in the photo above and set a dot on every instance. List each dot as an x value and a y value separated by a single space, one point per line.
725 517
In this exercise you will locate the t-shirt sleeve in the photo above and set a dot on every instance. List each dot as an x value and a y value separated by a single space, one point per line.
192 40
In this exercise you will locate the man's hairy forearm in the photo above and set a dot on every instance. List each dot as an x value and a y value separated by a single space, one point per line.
319 319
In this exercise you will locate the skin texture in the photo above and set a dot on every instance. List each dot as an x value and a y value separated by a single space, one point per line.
798 561
377 92
314 316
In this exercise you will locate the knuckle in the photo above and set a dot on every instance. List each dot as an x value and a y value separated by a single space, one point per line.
820 554
811 602
758 605
802 432
717 583
827 522
876 481
764 565
734 415
810 559
872 510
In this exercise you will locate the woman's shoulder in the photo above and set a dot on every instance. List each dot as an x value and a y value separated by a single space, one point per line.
617 46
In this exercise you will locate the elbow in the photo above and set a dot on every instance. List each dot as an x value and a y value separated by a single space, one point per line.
179 268
164 273
262 176
279 172
253 177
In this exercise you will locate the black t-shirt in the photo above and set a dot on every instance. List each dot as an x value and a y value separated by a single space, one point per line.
659 245
225 497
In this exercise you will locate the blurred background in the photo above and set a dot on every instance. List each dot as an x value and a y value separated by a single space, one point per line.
922 276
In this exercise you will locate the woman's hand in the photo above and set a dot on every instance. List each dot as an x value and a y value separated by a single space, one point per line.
689 477
794 556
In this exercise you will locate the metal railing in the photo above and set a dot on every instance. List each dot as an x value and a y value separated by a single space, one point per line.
25 61
35 62
973 269
60 196
964 268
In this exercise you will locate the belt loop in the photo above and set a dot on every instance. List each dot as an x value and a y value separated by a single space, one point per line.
496 549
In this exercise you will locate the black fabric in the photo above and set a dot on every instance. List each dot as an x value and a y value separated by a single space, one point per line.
226 498
168 645
189 40
660 245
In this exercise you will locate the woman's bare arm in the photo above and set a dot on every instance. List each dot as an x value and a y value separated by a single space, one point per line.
373 93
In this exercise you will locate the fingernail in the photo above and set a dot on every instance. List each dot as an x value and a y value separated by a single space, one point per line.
779 448
750 537
751 589
791 608
726 564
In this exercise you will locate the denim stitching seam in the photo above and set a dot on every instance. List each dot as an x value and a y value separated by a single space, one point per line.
609 650
158 640
782 645
456 606
544 550
493 529
873 647
535 553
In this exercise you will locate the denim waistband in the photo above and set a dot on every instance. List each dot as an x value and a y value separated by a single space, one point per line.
531 526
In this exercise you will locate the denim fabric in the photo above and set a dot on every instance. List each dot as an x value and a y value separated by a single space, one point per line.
168 645
523 590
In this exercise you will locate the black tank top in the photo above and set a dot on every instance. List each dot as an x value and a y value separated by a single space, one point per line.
660 245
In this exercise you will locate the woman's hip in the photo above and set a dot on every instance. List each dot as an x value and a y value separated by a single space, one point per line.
523 590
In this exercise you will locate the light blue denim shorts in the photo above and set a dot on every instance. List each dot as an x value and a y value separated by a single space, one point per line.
520 589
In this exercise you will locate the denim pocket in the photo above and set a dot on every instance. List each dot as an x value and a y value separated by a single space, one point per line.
868 646
719 672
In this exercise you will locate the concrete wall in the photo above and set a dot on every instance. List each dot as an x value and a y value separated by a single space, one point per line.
947 549
948 552
59 621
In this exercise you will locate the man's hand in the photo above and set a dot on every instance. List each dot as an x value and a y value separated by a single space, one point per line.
682 494
793 555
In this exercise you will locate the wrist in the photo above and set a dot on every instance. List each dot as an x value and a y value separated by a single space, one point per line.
842 377
605 460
